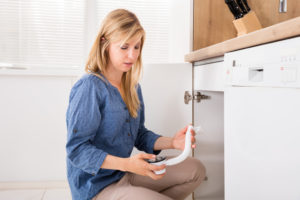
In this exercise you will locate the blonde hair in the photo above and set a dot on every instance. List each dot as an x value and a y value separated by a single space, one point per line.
118 25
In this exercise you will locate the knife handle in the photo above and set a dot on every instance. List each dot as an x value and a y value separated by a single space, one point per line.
230 8
246 5
242 6
234 8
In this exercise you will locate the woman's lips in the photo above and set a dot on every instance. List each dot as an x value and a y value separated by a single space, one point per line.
128 64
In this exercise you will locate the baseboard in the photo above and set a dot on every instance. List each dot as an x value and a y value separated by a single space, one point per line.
33 185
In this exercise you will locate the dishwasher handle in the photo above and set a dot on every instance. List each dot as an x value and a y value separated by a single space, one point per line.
256 74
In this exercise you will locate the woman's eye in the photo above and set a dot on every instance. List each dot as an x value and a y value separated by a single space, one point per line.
124 47
137 47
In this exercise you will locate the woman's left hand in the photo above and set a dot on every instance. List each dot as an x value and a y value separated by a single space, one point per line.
178 141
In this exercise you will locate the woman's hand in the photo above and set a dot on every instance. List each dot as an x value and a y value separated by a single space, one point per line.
178 140
137 164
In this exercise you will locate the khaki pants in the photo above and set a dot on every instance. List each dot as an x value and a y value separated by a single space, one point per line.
180 181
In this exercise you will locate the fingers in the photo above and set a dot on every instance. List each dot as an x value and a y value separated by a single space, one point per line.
193 132
193 140
152 168
156 167
184 129
146 156
154 176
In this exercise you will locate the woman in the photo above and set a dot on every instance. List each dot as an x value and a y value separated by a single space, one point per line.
105 120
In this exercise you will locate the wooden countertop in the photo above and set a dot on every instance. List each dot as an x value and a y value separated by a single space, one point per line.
283 30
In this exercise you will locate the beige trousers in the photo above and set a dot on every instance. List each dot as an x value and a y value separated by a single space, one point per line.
180 181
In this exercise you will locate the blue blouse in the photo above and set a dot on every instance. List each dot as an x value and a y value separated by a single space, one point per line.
98 124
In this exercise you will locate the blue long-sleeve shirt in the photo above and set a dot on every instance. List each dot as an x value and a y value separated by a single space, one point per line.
98 124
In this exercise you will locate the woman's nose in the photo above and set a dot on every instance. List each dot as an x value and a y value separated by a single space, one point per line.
132 53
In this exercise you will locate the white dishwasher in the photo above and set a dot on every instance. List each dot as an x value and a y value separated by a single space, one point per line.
262 122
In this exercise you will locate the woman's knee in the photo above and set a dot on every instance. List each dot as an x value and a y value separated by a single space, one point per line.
195 168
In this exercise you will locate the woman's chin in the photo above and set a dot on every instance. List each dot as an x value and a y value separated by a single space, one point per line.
127 68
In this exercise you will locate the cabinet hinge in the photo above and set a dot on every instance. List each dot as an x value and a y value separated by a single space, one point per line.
196 96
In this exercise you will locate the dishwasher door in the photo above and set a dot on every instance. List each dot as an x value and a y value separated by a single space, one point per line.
262 122
262 143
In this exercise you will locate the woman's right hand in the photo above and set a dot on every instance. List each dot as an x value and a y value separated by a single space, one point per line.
137 164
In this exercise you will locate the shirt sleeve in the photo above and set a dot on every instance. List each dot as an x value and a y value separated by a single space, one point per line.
83 120
145 138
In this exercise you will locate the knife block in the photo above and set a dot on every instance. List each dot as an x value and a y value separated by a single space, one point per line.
247 24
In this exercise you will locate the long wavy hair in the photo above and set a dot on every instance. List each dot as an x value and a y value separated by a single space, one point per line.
118 25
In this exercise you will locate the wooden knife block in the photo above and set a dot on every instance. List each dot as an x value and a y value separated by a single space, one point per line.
247 24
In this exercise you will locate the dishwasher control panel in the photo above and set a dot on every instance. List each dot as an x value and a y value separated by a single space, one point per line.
275 64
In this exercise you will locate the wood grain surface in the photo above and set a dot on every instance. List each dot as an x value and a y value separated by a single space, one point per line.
287 29
213 20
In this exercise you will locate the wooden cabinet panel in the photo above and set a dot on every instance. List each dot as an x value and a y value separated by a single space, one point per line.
212 23
268 13
213 20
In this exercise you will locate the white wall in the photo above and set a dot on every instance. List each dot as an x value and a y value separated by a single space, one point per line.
181 30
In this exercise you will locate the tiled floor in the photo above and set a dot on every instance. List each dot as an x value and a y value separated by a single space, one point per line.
39 194
36 194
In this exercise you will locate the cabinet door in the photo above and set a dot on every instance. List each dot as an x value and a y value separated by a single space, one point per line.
32 122
163 87
209 114
163 90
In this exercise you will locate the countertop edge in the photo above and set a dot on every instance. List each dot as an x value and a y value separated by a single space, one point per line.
269 34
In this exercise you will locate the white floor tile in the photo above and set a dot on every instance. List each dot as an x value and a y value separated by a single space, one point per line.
58 194
21 194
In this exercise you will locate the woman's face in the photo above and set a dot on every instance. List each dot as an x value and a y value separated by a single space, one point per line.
122 57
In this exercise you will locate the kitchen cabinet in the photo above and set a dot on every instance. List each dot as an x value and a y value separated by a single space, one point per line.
212 20
164 86
212 23
209 114
33 134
